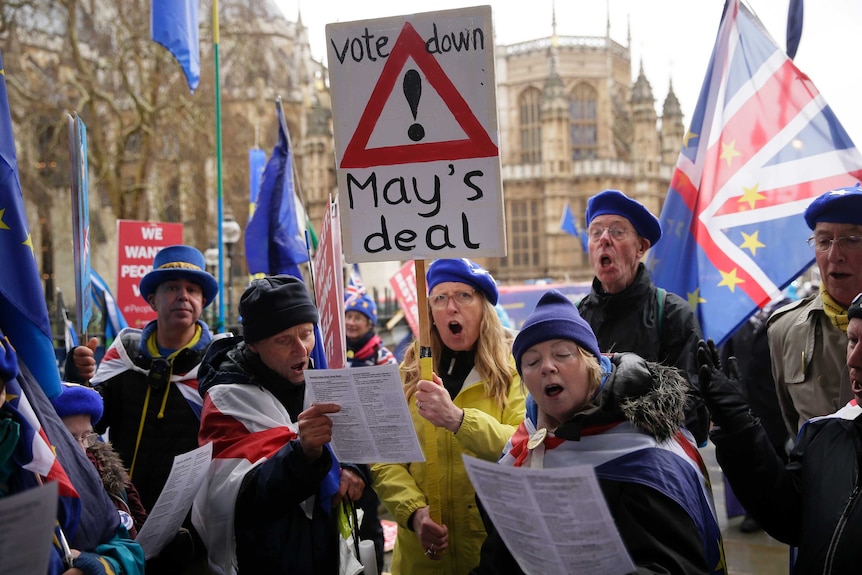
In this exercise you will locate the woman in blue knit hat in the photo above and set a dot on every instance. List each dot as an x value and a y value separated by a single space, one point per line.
364 346
473 405
622 415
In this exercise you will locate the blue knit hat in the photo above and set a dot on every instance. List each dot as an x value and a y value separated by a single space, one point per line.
614 202
841 206
79 400
180 262
555 317
362 304
464 271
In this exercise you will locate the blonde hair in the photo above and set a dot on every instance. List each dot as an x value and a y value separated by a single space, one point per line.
493 349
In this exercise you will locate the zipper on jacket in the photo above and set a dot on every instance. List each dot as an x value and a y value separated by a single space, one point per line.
839 529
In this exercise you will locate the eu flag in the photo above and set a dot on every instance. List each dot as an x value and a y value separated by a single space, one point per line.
23 313
763 143
174 25
569 224
273 242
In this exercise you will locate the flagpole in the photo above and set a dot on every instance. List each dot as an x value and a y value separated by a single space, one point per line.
220 326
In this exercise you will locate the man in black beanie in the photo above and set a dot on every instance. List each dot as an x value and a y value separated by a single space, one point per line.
269 503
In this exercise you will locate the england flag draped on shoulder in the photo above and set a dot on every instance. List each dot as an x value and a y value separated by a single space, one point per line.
763 143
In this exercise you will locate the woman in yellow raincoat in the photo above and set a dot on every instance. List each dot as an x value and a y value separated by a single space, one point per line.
473 405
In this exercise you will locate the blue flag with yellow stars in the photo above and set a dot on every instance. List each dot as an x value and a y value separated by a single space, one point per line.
23 312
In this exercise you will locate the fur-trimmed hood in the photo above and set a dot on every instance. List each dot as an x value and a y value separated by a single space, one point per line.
649 395
110 467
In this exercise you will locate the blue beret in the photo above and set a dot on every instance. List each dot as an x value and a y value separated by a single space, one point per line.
180 262
614 202
79 400
464 271
362 304
841 206
555 317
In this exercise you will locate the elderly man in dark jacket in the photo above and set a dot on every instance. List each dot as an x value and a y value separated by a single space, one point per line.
812 502
269 503
625 309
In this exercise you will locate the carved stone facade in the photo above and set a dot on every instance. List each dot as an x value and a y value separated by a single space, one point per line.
572 123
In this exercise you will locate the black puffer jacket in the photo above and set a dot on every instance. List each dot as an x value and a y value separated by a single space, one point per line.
629 321
813 501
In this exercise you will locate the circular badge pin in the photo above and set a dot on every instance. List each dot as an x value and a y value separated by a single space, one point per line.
537 438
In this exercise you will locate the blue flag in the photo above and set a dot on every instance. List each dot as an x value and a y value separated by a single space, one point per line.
273 241
174 25
23 313
794 27
113 317
256 165
569 224
762 145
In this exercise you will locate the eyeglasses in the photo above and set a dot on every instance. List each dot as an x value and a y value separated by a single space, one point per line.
461 299
88 439
848 243
615 233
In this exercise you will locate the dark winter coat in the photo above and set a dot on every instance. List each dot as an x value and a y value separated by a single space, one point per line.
812 502
629 321
272 531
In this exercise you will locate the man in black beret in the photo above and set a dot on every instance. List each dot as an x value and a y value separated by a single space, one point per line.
269 503
807 337
625 309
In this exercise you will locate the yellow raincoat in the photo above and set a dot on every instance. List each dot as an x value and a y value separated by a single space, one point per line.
402 487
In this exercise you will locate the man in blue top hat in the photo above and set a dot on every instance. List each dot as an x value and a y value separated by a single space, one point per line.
807 338
148 377
625 309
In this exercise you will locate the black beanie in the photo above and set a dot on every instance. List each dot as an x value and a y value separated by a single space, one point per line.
273 304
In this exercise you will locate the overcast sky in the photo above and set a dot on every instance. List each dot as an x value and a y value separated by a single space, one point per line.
673 38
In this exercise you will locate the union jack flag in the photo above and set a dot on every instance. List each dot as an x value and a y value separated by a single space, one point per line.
355 286
763 143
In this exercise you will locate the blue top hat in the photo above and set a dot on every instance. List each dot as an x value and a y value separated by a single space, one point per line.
180 262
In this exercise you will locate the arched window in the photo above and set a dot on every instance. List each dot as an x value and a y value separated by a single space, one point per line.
583 115
530 126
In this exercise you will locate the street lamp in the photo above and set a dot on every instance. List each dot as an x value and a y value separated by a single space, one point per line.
211 258
230 235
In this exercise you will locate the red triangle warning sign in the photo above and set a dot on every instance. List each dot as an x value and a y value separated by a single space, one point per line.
478 143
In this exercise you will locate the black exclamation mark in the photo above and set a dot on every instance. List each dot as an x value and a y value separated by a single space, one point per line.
413 91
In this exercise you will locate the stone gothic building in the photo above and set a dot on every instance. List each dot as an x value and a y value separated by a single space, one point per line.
572 124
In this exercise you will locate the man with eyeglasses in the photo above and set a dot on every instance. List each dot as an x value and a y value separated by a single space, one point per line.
807 338
625 308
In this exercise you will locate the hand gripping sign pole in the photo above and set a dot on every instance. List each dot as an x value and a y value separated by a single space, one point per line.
426 367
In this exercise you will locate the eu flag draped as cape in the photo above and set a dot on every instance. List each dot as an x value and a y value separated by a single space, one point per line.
763 143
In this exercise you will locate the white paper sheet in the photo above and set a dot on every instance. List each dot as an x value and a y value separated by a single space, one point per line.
374 424
166 517
27 530
554 521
